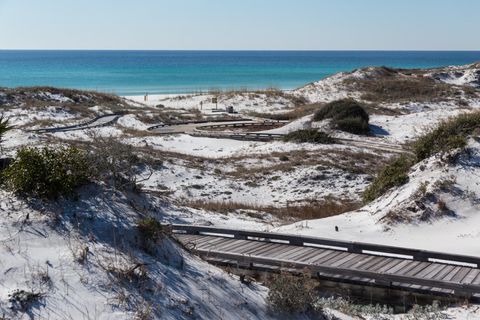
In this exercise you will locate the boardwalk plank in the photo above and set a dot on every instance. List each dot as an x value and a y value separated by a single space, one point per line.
350 257
314 255
216 244
230 245
332 260
248 250
210 241
290 251
461 274
269 247
245 249
451 274
396 268
274 252
295 253
408 268
366 266
471 276
476 280
444 272
417 269
363 259
431 268
304 252
332 257
380 265
323 257
393 263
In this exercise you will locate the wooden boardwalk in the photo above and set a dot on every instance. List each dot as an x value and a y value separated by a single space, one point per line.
341 261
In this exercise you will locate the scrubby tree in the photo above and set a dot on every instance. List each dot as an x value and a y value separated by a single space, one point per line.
116 163
291 294
4 127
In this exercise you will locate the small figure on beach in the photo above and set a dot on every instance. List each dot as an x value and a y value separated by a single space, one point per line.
145 97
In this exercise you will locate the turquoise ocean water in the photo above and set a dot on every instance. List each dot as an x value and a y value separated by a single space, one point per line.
140 72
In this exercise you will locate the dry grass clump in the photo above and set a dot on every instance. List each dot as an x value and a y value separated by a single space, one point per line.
271 92
80 100
292 294
296 113
395 87
315 209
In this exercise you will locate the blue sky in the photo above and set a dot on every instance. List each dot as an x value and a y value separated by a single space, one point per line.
240 24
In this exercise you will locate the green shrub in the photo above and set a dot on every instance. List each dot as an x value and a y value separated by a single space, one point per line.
393 175
150 231
449 135
347 115
47 173
4 127
309 135
341 109
353 125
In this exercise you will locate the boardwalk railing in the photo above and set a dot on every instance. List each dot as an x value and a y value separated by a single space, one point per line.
347 246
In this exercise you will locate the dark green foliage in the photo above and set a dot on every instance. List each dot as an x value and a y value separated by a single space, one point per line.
4 127
347 115
450 134
47 173
149 229
291 294
353 125
309 135
393 175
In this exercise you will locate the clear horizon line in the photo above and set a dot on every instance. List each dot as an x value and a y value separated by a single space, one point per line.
251 50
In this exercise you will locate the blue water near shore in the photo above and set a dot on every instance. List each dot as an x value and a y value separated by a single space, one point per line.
140 72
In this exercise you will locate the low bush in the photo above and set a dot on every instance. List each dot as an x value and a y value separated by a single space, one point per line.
4 126
347 115
22 300
353 125
150 231
309 135
393 175
449 135
291 294
47 173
